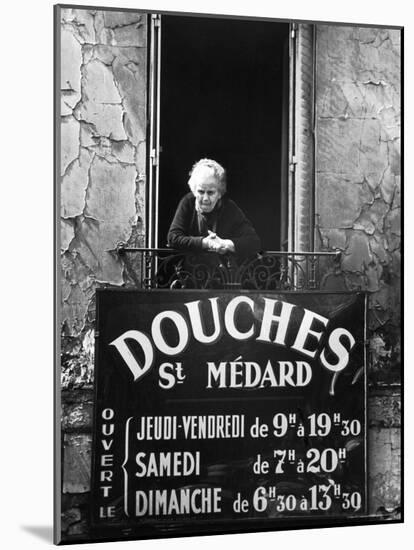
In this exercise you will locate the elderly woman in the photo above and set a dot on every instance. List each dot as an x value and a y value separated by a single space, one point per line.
207 220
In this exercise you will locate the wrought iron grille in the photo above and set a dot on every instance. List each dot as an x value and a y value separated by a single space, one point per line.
153 268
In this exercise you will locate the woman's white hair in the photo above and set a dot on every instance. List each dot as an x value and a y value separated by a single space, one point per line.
217 170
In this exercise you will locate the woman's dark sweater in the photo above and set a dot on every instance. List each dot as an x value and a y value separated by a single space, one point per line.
229 222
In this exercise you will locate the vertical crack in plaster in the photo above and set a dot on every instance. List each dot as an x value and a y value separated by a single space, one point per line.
371 250
72 251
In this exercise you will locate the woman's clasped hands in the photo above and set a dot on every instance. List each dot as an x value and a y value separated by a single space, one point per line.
214 243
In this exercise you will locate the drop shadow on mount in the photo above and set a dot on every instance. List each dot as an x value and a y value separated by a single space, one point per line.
43 532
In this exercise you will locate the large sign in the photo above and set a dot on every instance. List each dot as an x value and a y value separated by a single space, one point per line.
218 411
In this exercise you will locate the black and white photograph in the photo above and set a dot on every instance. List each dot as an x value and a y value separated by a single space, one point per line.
228 274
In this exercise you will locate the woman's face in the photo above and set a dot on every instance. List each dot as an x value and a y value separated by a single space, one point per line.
206 191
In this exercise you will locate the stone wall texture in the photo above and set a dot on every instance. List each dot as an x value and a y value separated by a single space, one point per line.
357 141
102 163
384 452
103 60
358 127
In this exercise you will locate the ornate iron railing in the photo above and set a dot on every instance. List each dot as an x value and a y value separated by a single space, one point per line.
269 270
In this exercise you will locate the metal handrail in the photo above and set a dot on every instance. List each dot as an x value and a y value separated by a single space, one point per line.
152 268
122 248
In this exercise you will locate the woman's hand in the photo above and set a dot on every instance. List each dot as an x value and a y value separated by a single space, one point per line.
214 243
225 246
209 241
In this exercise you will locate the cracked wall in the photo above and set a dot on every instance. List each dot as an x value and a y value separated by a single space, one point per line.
103 154
357 140
103 60
358 174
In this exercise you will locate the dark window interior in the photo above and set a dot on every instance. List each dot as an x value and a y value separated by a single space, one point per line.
223 96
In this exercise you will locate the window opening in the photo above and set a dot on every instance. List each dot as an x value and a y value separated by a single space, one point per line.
223 95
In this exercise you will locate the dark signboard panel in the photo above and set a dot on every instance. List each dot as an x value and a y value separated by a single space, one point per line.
222 411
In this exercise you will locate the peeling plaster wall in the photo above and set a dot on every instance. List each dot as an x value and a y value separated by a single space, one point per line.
358 172
103 154
357 141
